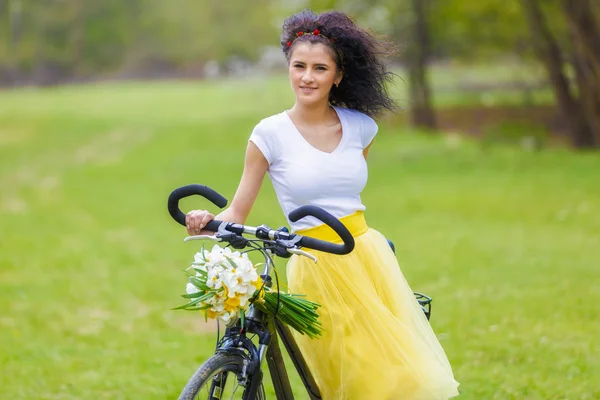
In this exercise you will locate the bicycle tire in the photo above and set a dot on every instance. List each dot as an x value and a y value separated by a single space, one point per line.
230 364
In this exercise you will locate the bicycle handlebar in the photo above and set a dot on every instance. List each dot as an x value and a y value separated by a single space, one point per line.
301 212
190 190
332 222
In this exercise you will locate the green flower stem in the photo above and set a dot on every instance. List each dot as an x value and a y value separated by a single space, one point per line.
294 311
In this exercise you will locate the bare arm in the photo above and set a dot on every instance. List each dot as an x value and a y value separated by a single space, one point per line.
255 167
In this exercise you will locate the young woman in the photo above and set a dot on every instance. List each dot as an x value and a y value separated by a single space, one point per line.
377 342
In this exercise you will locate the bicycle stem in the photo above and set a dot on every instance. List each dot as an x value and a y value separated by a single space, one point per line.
268 264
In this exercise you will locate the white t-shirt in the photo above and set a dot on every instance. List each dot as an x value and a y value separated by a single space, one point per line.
302 174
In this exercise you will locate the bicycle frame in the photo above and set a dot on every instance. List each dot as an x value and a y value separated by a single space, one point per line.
269 330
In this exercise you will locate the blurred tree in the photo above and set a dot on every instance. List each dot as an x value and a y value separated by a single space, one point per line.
583 22
10 12
549 52
57 40
475 31
49 24
101 34
418 55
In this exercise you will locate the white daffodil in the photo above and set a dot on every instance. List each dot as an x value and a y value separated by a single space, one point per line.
248 273
226 317
216 256
239 280
218 307
231 282
237 286
213 279
200 259
230 253
244 298
217 303
244 262
243 288
191 289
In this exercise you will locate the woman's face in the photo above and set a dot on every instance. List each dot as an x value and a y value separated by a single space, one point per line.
312 73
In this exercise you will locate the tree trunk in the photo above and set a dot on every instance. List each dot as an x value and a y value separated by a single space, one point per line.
589 95
421 110
78 37
586 59
549 53
14 15
584 29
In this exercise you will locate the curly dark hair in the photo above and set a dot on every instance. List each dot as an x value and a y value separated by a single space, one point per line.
357 53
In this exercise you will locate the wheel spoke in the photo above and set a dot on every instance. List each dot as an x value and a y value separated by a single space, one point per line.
235 390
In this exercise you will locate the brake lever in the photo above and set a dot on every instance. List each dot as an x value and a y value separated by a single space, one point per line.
217 236
202 237
303 253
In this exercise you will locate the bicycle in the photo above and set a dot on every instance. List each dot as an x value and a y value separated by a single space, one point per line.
237 359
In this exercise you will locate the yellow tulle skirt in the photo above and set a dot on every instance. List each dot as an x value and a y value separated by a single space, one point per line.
377 342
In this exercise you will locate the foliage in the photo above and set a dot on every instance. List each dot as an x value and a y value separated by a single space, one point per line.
86 38
66 39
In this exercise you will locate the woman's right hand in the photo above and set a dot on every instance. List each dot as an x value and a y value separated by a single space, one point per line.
195 220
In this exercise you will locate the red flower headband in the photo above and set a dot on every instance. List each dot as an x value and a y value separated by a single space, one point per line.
316 32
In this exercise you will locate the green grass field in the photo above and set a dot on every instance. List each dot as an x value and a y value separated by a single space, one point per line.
507 242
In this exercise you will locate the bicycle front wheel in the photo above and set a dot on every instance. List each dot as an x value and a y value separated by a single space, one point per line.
217 379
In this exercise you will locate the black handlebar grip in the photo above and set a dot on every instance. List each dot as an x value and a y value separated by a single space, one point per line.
190 190
212 225
332 222
327 247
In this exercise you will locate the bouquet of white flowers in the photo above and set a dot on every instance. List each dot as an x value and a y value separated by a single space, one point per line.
223 283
